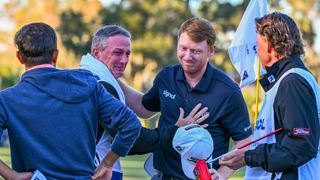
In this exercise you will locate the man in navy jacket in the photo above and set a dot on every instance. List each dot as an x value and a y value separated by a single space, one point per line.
292 103
52 115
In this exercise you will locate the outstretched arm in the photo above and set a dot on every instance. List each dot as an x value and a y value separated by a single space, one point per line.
229 164
151 140
134 101
114 114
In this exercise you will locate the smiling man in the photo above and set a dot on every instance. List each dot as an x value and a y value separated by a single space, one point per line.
194 80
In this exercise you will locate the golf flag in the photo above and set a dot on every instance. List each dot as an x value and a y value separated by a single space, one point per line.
243 51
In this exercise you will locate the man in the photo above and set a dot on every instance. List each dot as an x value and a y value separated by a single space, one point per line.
292 103
194 80
110 51
52 115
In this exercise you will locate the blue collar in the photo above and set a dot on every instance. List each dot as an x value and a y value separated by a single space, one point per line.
203 84
275 71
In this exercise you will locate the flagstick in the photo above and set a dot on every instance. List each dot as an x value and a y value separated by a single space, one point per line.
257 95
247 144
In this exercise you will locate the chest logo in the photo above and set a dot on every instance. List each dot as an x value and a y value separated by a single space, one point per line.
166 93
260 124
271 79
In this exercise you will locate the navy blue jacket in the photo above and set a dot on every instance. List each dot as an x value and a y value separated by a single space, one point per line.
294 107
228 112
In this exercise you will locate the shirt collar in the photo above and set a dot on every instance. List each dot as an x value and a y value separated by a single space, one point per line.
275 71
203 84
41 66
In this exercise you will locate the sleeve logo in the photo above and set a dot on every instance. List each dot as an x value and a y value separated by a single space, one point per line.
301 131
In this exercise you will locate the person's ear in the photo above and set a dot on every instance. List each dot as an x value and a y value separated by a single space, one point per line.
95 53
54 58
269 47
212 50
21 60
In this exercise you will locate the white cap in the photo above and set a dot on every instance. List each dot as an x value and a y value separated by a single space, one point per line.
193 143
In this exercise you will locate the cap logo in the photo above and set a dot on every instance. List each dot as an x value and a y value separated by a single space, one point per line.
191 127
178 148
196 171
193 159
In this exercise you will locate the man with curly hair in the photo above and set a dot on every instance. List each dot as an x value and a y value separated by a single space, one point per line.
292 102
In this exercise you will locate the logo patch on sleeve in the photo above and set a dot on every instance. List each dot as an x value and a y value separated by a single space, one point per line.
301 131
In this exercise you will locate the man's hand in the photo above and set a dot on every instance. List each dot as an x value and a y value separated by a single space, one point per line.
234 160
194 117
104 171
8 173
23 175
215 174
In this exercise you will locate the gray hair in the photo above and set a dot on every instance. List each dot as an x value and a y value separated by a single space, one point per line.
105 32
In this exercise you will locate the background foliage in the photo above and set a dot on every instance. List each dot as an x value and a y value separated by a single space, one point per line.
154 25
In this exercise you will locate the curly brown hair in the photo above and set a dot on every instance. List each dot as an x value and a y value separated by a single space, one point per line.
282 33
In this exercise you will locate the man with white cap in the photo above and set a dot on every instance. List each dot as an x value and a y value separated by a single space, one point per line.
194 80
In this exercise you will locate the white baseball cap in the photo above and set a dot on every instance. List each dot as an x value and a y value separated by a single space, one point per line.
193 143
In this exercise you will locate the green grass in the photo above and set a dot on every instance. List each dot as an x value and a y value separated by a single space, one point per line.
132 166
5 155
